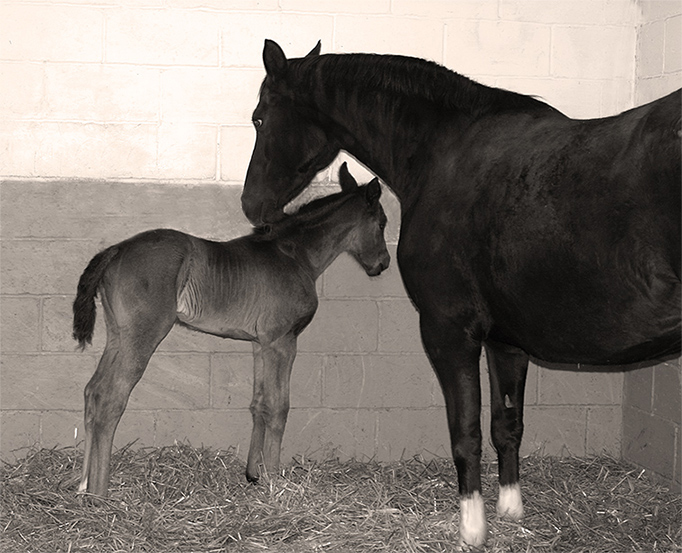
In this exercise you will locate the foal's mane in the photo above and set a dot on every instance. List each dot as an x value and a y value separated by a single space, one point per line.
307 216
404 77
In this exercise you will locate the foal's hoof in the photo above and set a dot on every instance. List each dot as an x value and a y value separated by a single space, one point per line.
252 478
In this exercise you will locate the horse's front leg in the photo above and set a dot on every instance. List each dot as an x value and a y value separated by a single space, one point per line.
455 358
507 368
271 408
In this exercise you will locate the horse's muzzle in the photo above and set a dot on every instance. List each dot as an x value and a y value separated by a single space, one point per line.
260 212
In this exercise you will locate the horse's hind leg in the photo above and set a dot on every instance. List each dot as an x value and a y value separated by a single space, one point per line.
507 368
125 359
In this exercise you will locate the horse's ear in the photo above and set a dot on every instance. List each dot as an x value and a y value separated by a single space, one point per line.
315 51
346 180
274 59
373 191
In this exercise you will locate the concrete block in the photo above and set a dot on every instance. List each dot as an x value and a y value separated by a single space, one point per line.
187 151
231 381
422 38
650 49
378 381
461 9
137 427
209 95
44 381
20 324
162 37
93 150
19 430
638 389
108 212
477 48
568 387
101 92
341 326
306 381
324 433
334 7
22 87
215 428
50 33
404 433
17 142
399 327
592 52
649 441
264 5
243 34
654 10
178 381
58 428
604 426
667 398
616 96
236 146
41 267
555 430
347 279
650 89
673 45
587 12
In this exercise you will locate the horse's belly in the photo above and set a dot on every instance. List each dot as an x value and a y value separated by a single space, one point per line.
586 324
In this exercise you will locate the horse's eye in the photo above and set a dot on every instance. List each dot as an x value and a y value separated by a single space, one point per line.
257 123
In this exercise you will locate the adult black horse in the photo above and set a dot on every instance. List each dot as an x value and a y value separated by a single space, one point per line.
522 230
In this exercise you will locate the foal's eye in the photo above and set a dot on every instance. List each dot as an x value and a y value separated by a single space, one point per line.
257 123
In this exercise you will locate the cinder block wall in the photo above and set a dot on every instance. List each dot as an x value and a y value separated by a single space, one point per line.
117 117
652 410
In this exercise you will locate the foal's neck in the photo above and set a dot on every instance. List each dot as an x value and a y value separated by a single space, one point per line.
319 245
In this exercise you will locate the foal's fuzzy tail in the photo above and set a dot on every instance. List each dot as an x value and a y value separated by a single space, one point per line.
84 310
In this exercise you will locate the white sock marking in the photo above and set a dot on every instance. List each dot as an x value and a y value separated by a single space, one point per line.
473 528
510 504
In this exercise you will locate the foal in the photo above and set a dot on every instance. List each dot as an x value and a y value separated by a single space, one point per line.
259 288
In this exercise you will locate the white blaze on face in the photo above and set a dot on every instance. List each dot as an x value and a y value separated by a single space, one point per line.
510 504
473 528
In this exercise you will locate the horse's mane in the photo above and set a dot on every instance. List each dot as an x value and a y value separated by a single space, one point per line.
307 216
405 77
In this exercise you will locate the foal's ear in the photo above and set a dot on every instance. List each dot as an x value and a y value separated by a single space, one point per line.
346 180
315 51
274 59
373 191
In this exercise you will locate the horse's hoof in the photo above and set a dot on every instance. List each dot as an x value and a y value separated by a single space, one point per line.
509 504
473 528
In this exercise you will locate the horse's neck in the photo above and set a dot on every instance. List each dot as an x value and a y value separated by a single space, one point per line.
320 245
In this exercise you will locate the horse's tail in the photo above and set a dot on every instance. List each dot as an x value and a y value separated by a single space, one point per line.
84 310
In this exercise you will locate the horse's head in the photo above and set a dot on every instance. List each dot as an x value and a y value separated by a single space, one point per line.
292 144
367 243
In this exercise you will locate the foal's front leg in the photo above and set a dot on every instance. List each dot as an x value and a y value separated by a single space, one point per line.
270 405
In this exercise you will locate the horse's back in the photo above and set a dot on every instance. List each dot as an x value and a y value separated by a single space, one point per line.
567 230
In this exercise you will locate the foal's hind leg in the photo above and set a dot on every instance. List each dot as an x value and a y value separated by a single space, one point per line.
507 368
129 347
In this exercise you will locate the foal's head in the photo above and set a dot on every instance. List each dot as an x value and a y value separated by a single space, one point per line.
366 241
352 220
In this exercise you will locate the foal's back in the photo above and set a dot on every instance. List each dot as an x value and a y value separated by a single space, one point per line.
235 289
